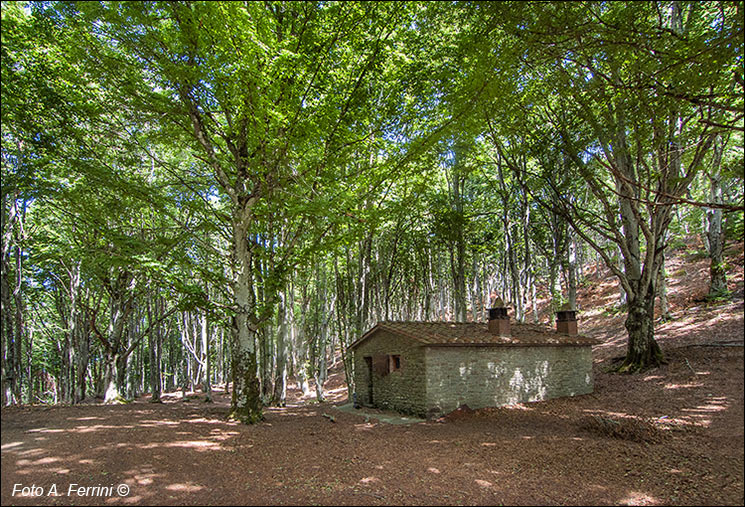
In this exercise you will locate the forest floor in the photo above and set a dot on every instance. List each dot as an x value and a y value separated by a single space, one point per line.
671 435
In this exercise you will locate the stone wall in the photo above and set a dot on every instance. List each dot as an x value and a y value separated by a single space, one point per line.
493 376
402 390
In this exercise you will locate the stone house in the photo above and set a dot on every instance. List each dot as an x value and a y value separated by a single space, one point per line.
431 368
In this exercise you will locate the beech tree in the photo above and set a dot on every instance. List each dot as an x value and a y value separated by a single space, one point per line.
189 186
273 98
647 83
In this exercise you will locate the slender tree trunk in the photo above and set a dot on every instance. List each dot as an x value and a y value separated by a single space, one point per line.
29 365
155 381
477 297
718 277
622 296
458 252
280 383
572 273
207 380
20 321
513 269
321 373
662 290
511 254
156 341
82 358
6 322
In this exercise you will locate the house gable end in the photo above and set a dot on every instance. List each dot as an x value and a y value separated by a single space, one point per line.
382 327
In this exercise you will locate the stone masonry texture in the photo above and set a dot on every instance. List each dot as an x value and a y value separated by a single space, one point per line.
493 376
402 390
434 380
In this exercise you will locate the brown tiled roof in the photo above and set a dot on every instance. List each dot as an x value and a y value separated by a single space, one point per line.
477 334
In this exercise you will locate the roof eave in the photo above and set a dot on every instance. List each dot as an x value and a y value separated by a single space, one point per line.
381 326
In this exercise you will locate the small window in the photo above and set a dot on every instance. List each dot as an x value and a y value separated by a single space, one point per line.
394 363
381 364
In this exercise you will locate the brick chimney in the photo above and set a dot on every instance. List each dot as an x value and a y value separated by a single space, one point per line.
499 321
566 320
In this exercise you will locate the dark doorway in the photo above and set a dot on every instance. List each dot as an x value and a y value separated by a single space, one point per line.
369 364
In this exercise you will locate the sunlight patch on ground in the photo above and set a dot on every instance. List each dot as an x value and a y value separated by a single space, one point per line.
186 488
364 426
701 414
131 500
283 411
638 498
221 435
199 445
145 479
517 406
42 461
689 385
156 422
204 420
607 413
30 452
99 427
10 445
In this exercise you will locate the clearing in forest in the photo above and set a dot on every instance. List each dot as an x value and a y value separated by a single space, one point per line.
673 435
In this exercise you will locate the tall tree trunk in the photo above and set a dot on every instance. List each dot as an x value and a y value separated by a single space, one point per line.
458 262
29 366
622 296
718 277
81 363
640 276
279 397
572 273
477 297
156 341
156 386
121 307
112 378
20 322
323 319
6 322
662 290
207 380
246 403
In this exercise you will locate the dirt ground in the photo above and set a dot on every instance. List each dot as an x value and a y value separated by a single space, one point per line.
672 435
